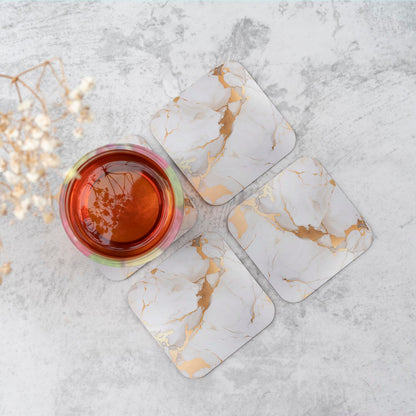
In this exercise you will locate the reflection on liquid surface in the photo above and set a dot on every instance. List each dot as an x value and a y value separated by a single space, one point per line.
122 204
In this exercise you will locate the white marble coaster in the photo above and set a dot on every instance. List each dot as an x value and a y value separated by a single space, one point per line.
189 219
223 132
201 305
300 229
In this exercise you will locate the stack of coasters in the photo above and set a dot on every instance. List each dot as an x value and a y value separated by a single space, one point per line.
190 216
201 305
223 132
300 229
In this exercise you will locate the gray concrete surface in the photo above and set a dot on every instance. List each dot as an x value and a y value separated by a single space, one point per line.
343 74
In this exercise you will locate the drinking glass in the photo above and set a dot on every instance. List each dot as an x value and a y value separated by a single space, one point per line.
121 205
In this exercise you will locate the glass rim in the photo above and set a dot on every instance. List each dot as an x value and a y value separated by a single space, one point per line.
165 241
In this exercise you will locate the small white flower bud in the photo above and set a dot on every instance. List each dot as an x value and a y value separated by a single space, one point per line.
14 162
5 269
43 122
87 84
21 210
74 106
78 133
18 191
39 202
75 94
30 144
49 160
48 217
24 105
33 176
12 178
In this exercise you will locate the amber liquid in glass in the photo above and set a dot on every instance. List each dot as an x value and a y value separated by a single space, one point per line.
122 204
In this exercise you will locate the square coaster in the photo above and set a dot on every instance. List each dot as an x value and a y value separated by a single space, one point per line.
189 220
300 229
201 305
223 132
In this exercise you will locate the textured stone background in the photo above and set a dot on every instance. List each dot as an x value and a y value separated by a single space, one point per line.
343 74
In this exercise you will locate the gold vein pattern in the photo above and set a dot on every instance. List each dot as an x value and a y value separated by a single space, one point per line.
190 217
300 229
223 132
201 305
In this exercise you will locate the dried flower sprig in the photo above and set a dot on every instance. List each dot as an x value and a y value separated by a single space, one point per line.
29 138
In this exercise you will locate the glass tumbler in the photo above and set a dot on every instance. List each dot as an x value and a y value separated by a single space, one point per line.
121 205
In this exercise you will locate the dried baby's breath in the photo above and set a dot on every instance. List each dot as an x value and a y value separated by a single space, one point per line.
29 138
3 208
3 165
21 208
78 133
5 269
40 202
48 217
25 106
43 122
